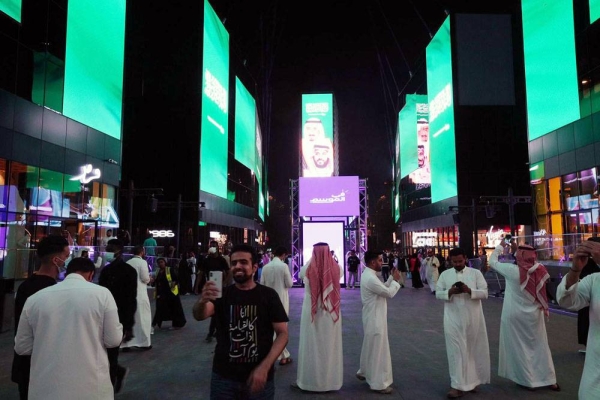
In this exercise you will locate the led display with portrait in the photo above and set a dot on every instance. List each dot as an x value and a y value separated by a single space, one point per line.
317 153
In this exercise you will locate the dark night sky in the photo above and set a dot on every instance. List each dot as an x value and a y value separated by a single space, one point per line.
359 50
333 46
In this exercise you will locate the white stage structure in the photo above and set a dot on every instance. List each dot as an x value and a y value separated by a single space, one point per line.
354 226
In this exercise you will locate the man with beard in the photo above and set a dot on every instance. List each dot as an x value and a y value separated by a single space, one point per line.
247 315
322 163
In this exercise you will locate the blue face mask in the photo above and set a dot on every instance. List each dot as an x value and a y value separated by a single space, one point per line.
109 256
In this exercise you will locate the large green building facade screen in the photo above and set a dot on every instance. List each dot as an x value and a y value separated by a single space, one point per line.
594 10
414 136
550 65
12 8
94 61
245 126
258 170
215 105
317 153
441 115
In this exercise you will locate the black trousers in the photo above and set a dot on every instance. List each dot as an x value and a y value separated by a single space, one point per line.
113 362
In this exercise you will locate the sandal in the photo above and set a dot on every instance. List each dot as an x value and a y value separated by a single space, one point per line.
285 361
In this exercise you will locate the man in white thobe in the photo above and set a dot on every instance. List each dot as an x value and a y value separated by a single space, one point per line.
464 325
143 313
375 358
431 264
67 327
574 295
276 275
524 355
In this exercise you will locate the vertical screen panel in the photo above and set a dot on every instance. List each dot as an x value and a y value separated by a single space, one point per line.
245 126
331 233
12 8
317 157
94 64
594 10
550 65
215 105
441 115
259 171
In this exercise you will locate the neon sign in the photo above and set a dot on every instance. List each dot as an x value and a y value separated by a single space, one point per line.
162 233
87 174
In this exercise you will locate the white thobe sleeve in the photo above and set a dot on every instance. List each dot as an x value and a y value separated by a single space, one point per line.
481 289
24 337
112 333
302 272
144 274
503 269
287 278
441 289
577 296
388 290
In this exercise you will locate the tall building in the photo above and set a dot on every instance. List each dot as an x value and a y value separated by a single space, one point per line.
61 89
461 150
194 141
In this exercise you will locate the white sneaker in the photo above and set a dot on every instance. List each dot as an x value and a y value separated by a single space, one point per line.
152 331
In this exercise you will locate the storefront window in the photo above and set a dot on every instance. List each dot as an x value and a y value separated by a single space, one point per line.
541 200
554 194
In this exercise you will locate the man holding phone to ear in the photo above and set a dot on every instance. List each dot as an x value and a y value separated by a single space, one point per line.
574 294
248 314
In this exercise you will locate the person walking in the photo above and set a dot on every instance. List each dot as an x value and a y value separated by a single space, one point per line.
431 265
375 359
276 275
353 262
168 302
143 314
320 361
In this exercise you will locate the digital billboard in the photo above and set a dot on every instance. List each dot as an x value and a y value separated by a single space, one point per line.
245 126
594 10
215 105
412 123
317 153
94 64
441 115
550 65
336 196
12 8
331 233
258 170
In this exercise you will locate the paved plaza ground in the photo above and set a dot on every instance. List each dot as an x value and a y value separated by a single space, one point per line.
179 365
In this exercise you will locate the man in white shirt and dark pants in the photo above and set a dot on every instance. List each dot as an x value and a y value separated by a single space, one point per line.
67 328
276 275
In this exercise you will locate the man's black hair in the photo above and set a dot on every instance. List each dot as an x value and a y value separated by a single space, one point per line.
279 251
371 255
116 242
137 250
246 249
80 264
457 251
51 244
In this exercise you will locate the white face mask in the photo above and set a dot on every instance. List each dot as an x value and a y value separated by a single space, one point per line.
212 250
109 256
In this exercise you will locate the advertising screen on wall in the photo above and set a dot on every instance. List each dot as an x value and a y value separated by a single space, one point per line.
414 135
594 10
550 65
215 105
245 126
331 197
331 233
441 115
94 64
258 170
12 8
317 155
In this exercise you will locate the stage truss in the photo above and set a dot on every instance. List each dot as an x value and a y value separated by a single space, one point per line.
356 229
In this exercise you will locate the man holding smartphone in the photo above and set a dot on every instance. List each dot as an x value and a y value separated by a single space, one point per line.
246 352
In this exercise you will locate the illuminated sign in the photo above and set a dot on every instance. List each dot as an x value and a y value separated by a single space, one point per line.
87 173
329 197
594 10
12 8
317 153
423 239
162 233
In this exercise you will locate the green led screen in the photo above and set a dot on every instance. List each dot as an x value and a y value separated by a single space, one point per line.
215 105
441 115
259 173
94 64
317 155
550 65
594 10
12 8
245 126
414 135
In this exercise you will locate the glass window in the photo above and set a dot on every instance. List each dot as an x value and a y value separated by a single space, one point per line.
541 200
554 194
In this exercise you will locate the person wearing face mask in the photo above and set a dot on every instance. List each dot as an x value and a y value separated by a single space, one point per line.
68 327
52 251
213 262
121 279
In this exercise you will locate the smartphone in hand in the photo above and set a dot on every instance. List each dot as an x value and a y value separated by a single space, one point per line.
217 278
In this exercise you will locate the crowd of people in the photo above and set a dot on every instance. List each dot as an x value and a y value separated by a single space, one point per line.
249 317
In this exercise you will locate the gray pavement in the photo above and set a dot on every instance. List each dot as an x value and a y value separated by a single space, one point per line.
179 365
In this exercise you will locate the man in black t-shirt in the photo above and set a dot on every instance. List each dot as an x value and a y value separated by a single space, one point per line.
352 262
53 251
247 314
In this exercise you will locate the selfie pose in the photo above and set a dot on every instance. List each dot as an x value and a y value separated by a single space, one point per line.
467 345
